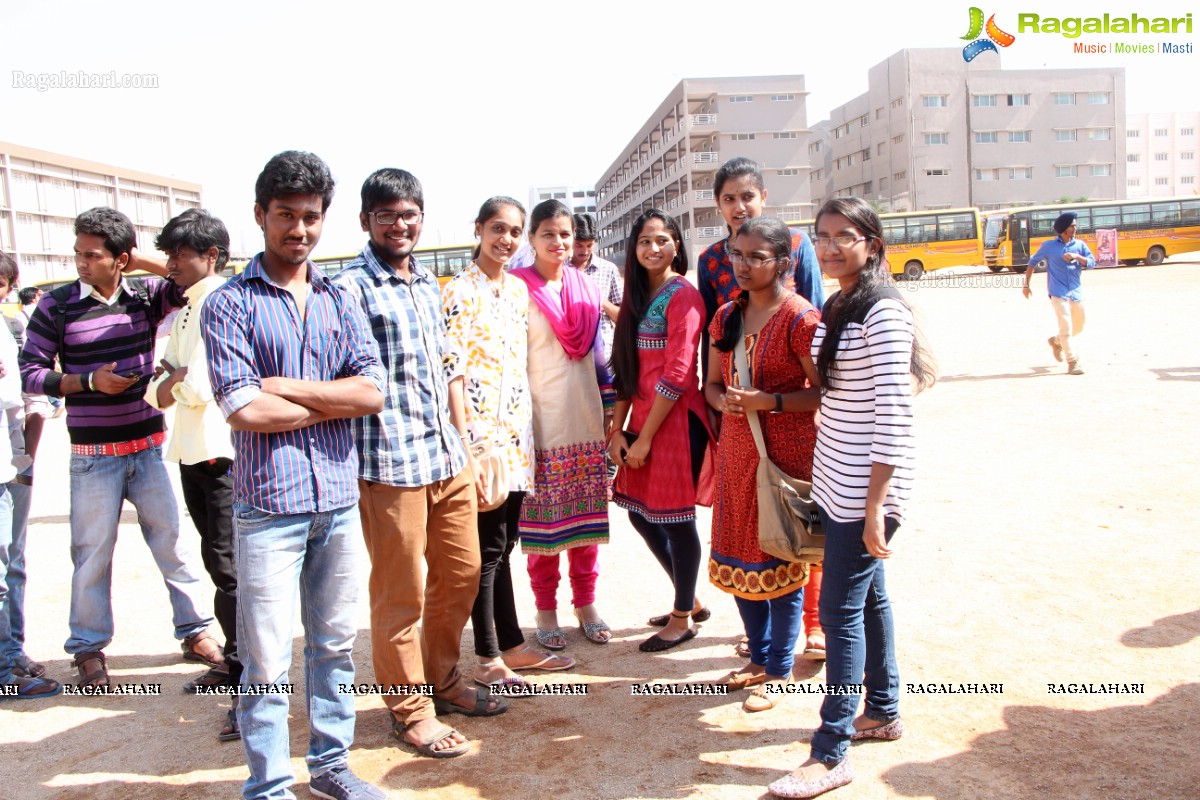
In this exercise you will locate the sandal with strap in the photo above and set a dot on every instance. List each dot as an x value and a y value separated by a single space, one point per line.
203 648
765 697
553 639
426 746
230 731
216 676
482 708
93 669
661 620
592 630
25 667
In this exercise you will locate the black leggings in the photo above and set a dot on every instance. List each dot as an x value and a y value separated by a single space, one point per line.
494 616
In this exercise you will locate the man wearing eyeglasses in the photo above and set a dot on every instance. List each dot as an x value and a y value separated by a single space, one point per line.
417 497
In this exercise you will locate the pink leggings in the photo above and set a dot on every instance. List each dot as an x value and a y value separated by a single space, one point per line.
582 568
812 599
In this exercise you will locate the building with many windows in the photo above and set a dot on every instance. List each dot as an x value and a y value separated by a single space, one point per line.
1160 154
41 193
671 162
581 200
933 131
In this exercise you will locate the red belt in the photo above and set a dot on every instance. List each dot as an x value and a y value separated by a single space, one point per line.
119 448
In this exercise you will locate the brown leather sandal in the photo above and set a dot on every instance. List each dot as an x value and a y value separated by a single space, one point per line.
203 648
93 670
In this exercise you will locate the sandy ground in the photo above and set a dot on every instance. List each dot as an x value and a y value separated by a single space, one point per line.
1050 543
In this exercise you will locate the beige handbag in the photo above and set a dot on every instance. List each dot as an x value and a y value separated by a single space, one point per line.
789 524
493 468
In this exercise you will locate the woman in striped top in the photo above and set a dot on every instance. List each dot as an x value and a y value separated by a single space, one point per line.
869 361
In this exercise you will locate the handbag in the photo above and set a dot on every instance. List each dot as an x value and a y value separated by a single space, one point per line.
493 469
789 524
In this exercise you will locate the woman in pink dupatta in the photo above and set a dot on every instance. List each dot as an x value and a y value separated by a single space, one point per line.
572 404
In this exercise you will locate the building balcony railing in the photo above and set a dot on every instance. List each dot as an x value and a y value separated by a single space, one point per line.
705 157
704 194
710 233
704 119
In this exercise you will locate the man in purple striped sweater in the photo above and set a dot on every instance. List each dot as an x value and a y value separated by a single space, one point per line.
101 331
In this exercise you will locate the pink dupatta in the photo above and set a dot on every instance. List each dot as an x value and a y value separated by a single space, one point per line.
577 319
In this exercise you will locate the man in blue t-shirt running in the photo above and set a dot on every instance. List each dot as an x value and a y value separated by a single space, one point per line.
1065 256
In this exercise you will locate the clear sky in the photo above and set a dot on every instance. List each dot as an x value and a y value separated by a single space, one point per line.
475 98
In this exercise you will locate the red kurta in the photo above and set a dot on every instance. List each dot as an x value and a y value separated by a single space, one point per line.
668 339
736 564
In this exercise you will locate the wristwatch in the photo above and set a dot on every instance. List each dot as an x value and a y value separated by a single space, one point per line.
778 403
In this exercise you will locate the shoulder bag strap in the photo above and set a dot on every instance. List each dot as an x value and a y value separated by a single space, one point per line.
739 355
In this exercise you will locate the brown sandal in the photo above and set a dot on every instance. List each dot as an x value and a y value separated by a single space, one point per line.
203 648
93 670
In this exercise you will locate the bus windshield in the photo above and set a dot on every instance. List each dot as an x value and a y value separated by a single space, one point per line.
996 230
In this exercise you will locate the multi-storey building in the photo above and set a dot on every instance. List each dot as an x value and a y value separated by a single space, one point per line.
704 122
41 193
581 200
1160 154
933 131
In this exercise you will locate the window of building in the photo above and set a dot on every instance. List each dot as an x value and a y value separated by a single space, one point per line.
1066 171
741 98
1188 179
986 137
1162 156
1187 131
1133 158
937 138
987 174
1100 170
1133 182
898 138
1065 135
1162 181
901 175
1020 173
1018 99
933 100
1161 131
742 137
1187 155
882 184
1132 133
851 160
785 135
866 188
1020 137
1064 99
898 102
1099 134
783 98
815 147
935 173
1097 98
545 196
986 100
838 132
864 120
788 172
577 194
879 149
879 113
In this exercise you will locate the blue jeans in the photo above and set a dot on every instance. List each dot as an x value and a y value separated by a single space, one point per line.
6 642
99 487
860 643
773 626
322 555
14 576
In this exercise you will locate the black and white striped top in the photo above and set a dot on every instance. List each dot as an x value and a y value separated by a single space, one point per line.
866 413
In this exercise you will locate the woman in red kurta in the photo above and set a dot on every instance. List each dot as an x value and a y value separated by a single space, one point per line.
663 455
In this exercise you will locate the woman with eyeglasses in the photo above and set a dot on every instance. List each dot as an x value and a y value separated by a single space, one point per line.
777 327
741 196
870 361
664 455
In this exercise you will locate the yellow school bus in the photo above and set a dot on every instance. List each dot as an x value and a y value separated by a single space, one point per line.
1147 229
445 261
919 241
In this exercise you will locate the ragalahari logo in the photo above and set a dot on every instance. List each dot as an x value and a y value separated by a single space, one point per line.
995 36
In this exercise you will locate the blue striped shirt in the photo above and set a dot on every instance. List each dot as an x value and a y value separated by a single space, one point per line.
412 442
252 330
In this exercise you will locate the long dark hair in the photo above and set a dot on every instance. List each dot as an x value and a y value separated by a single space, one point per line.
490 208
873 280
779 238
625 364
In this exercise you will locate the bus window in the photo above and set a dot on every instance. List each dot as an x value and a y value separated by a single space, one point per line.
922 229
1041 223
996 231
1164 213
1083 221
1189 212
956 226
893 231
1106 217
1134 217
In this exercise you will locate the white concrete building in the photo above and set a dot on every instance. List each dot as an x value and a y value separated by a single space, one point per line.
1160 154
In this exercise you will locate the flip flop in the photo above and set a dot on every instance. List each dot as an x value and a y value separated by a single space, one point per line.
657 644
483 698
425 746
230 731
549 662
516 681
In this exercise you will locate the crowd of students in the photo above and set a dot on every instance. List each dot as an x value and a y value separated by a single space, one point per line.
442 427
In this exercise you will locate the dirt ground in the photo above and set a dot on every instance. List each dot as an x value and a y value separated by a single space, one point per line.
1050 543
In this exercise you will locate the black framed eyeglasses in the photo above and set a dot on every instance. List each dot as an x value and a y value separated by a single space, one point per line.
752 261
410 217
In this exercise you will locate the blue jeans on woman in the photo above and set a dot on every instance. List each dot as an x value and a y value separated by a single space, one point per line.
14 573
860 643
773 626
